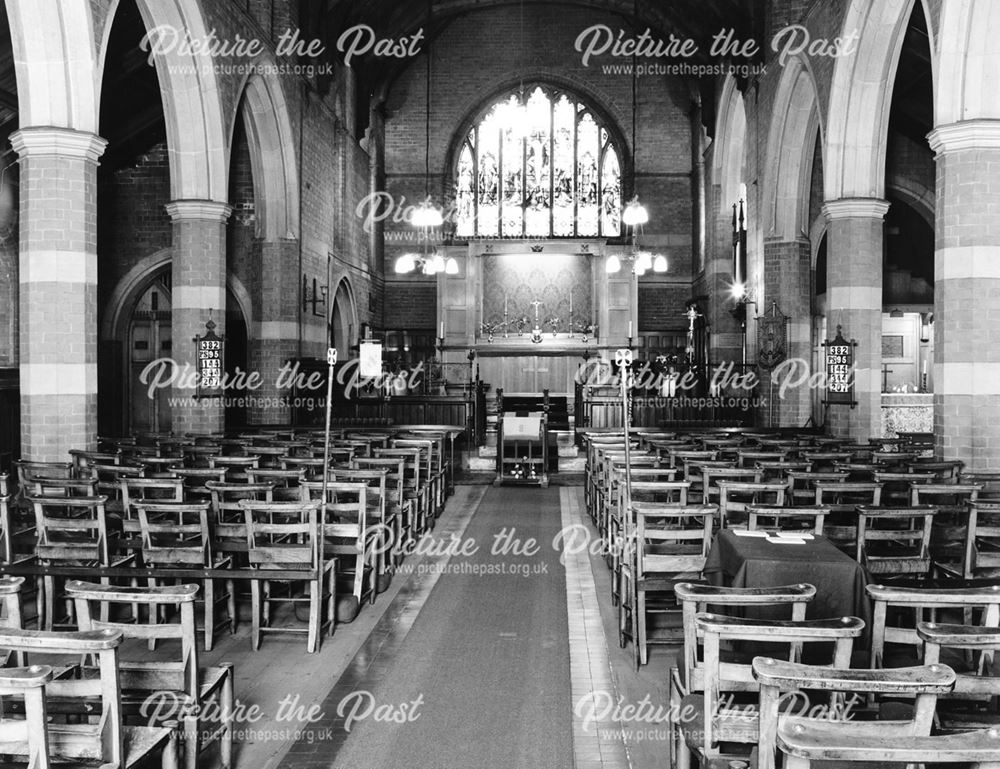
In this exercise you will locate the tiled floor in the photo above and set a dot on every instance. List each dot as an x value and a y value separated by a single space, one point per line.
597 737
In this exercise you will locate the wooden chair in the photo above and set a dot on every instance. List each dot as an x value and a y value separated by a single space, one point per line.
71 531
843 498
136 490
644 492
61 487
236 467
694 473
896 487
736 497
177 685
801 488
803 744
177 535
982 541
403 511
859 472
951 525
777 471
833 728
715 722
228 520
414 484
945 471
748 458
713 475
432 450
285 483
688 673
284 537
677 456
28 736
893 460
669 545
196 478
976 700
989 484
824 461
806 518
895 540
103 737
360 543
924 603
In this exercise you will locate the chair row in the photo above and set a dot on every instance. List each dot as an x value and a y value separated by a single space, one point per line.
98 708
766 703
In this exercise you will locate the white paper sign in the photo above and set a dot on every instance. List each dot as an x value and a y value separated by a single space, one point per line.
371 358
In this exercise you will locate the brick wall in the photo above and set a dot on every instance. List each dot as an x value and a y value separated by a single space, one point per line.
661 306
410 304
131 220
478 55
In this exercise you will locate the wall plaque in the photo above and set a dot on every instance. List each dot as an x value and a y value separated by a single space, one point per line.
840 370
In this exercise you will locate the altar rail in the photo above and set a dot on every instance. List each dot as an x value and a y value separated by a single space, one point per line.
601 407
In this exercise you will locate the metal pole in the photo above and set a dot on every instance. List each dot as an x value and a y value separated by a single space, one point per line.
331 359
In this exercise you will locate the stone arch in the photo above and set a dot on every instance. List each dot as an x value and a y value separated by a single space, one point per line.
55 63
919 196
730 141
343 321
192 106
131 286
791 144
861 97
272 157
968 60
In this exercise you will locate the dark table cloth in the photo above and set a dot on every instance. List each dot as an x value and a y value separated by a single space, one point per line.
739 561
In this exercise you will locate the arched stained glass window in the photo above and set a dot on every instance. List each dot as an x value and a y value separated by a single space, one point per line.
544 168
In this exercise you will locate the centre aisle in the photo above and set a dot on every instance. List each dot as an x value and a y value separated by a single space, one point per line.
484 670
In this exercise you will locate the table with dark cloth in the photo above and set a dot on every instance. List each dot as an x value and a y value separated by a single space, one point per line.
739 561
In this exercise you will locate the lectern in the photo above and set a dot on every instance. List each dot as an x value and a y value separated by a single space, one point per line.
522 447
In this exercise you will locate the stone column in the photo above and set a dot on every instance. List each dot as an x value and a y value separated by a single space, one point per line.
854 301
198 289
58 290
277 337
787 273
967 293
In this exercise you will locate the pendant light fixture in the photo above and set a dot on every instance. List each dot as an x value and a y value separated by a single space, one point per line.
634 215
426 216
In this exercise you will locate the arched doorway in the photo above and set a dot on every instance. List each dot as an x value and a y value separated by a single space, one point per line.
139 326
149 344
343 319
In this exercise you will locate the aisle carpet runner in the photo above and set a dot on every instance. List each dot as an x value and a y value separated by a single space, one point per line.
481 679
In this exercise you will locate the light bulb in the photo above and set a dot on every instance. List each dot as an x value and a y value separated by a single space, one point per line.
451 266
660 263
405 263
738 290
613 264
644 261
635 213
426 215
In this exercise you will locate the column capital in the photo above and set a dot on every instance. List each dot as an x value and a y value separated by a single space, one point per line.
50 141
855 208
186 210
965 135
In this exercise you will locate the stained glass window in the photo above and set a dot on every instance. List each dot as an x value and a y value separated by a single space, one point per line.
539 166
